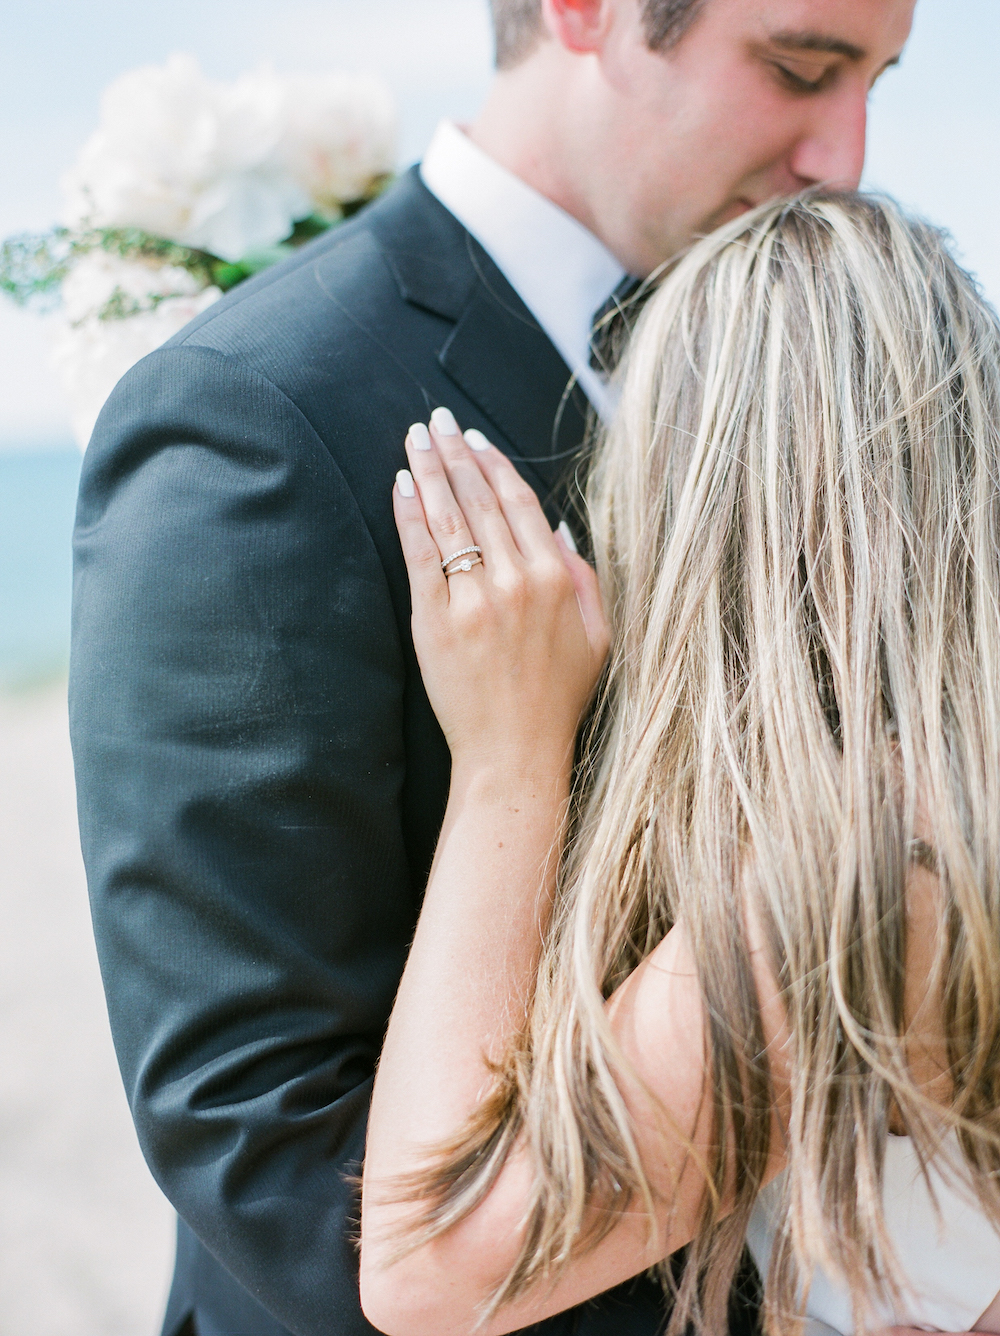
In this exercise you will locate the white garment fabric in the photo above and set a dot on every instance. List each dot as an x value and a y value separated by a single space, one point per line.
950 1258
561 272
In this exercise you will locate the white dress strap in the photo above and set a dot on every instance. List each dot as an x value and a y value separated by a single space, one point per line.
950 1257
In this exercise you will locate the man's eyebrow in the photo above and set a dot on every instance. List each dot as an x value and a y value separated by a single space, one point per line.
817 41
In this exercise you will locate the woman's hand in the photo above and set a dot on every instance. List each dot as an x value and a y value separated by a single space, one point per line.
512 649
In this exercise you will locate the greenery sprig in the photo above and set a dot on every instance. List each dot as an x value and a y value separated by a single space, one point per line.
34 266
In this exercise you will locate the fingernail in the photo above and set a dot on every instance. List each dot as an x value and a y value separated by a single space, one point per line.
420 437
475 440
444 421
404 481
566 535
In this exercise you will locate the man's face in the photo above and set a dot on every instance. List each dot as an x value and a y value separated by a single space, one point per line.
760 98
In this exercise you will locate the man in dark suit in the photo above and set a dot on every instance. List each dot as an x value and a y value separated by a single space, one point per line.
261 778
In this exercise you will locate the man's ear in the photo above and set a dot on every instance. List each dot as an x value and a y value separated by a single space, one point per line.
578 25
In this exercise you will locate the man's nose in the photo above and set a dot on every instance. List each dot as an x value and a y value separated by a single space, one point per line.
832 152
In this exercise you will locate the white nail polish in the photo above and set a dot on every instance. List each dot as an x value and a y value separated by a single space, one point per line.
404 481
475 440
567 536
420 437
444 422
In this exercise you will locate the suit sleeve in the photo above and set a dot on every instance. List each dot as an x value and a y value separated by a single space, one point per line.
236 708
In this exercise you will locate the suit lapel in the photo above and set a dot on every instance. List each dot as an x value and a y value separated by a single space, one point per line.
500 357
496 353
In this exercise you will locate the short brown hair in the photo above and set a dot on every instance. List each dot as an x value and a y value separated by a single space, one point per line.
518 25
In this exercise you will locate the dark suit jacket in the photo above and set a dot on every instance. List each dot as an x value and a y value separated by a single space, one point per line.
261 779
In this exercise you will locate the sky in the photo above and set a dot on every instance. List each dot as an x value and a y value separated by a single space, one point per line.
934 132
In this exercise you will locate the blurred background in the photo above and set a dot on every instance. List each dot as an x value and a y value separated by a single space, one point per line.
85 1238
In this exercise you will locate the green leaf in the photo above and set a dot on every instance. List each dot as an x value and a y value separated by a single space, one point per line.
226 276
308 228
255 261
32 267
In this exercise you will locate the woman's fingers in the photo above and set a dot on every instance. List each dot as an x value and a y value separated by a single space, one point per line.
420 551
588 595
472 490
472 494
445 519
468 494
521 507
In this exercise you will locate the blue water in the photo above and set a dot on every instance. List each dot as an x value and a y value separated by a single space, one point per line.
37 501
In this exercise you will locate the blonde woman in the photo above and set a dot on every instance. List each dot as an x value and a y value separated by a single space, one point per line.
744 978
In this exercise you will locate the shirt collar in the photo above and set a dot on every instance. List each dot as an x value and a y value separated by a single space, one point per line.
561 272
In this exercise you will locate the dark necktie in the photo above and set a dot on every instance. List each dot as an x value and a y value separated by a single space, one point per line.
613 323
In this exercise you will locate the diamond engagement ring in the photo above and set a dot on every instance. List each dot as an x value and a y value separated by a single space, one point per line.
465 551
465 565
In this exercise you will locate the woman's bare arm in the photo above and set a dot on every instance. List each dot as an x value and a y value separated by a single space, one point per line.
510 652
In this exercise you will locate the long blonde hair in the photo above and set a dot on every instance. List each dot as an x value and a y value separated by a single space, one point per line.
797 525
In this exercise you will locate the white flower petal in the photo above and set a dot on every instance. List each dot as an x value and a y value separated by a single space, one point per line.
229 168
91 355
242 213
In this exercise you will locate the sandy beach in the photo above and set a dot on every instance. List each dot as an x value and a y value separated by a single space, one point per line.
86 1238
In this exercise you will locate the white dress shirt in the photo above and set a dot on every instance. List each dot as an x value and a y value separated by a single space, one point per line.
561 272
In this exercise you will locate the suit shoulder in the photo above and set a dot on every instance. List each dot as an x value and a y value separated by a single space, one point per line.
343 279
302 308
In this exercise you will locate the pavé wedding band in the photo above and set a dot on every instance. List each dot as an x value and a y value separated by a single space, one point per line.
465 565
464 553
